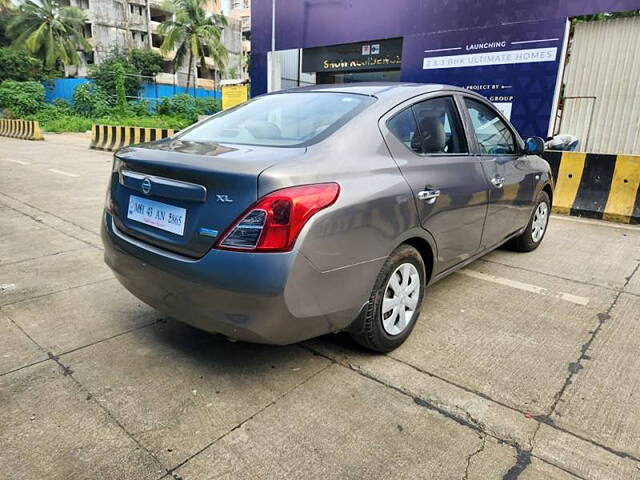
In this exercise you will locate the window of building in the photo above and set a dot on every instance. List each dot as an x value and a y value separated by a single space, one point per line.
83 4
494 136
86 31
430 127
246 4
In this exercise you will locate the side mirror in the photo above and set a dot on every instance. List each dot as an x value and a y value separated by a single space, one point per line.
534 146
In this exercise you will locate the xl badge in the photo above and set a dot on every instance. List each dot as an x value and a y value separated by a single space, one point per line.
223 199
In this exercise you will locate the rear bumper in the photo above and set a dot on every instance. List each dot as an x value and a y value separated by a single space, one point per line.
276 298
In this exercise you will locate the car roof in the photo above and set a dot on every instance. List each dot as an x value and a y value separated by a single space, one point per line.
383 90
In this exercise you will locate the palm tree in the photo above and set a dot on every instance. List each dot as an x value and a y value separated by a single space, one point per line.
194 32
5 5
49 32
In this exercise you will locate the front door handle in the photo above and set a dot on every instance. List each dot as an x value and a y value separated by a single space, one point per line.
497 181
429 196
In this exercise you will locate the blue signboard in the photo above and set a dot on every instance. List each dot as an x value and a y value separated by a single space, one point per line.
515 65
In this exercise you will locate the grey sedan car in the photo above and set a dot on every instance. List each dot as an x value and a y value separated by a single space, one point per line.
322 209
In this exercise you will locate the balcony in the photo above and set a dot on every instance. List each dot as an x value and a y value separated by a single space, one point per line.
154 26
208 61
205 83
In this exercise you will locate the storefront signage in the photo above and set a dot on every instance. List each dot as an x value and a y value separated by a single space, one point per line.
373 55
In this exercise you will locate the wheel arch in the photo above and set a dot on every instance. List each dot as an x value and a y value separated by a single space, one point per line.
549 191
426 252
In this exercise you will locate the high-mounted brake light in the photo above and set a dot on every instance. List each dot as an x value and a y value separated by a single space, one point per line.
273 223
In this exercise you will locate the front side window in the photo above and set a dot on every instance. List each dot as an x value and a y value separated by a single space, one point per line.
431 127
281 120
494 137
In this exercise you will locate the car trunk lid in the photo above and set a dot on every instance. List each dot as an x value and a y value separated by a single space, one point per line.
181 196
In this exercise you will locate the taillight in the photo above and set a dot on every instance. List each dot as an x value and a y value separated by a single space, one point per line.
108 203
273 223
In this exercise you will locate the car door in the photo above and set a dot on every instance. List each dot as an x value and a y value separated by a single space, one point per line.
511 182
429 144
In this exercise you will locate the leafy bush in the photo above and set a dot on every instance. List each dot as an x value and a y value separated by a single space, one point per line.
18 65
208 106
90 100
155 121
64 123
62 106
136 62
21 98
140 108
184 105
163 106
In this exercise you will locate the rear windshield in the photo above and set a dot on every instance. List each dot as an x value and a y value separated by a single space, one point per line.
282 120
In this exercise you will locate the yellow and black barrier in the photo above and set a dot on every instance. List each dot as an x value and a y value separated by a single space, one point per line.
111 138
596 185
22 129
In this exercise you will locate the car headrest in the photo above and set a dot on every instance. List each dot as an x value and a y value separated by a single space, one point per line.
263 129
433 135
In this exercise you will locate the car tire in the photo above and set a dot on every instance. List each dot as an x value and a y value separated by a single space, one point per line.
536 229
394 306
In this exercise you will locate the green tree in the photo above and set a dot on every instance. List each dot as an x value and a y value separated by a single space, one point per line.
18 65
6 13
49 32
594 17
193 32
121 95
145 61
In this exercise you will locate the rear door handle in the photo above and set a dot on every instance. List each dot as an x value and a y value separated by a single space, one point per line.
497 181
429 196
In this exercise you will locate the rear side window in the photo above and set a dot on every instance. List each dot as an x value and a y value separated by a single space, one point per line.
494 136
281 120
404 128
430 127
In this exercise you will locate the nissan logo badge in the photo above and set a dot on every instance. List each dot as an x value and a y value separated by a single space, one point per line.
146 186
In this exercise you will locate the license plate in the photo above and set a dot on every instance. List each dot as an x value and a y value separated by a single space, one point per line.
159 215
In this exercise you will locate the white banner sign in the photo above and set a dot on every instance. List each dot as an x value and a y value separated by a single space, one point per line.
530 55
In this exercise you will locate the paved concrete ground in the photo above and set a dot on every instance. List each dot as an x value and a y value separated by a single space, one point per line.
521 366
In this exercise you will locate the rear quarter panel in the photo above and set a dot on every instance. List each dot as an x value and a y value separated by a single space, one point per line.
375 208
